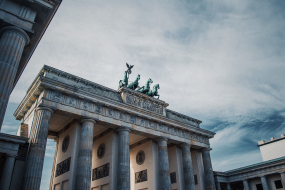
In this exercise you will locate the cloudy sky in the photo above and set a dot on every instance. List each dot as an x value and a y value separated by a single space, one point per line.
219 61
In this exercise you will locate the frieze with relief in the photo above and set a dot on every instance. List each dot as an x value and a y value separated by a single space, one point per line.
98 108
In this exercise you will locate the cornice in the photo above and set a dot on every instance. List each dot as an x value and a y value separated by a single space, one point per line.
42 82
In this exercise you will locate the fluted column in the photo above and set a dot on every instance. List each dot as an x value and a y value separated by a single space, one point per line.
228 186
123 180
282 175
209 174
53 165
187 167
84 163
7 172
37 149
264 183
163 165
12 42
218 185
245 185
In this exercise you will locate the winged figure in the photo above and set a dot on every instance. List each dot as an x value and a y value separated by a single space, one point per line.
129 68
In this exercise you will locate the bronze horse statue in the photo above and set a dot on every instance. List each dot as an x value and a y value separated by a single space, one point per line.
135 84
145 88
154 92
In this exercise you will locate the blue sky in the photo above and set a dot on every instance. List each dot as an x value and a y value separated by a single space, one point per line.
219 61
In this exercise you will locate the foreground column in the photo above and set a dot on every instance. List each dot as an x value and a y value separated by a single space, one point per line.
37 149
163 165
264 183
7 172
209 174
201 169
84 163
123 180
218 185
245 185
187 167
228 186
282 174
12 44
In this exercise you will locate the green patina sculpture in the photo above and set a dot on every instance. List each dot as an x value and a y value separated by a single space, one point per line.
154 92
135 84
144 89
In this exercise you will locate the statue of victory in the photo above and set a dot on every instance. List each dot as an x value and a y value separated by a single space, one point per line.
124 82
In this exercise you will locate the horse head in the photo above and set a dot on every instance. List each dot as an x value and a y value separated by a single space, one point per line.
138 77
156 86
149 81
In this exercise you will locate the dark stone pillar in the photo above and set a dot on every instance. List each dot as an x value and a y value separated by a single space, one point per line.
37 149
84 163
12 43
245 185
282 174
123 180
209 174
163 165
264 183
228 186
187 167
7 172
218 185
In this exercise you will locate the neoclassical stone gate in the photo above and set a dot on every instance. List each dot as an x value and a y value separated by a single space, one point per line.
108 139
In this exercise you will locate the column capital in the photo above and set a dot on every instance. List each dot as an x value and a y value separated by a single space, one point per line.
186 144
123 128
282 172
85 119
261 175
206 149
162 138
18 30
44 108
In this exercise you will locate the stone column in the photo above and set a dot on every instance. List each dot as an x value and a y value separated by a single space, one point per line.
264 183
201 173
7 172
245 184
163 165
282 174
123 180
12 42
228 186
218 185
187 167
53 165
37 149
84 163
209 174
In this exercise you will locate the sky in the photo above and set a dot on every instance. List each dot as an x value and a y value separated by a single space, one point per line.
219 61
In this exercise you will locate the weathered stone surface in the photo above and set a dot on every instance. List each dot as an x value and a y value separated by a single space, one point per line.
12 44
163 165
264 183
36 154
209 174
84 163
7 172
245 184
123 180
187 167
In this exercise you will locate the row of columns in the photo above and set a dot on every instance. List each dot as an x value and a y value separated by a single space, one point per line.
36 153
263 182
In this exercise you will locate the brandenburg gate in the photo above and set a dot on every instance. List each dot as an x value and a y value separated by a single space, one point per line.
110 139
